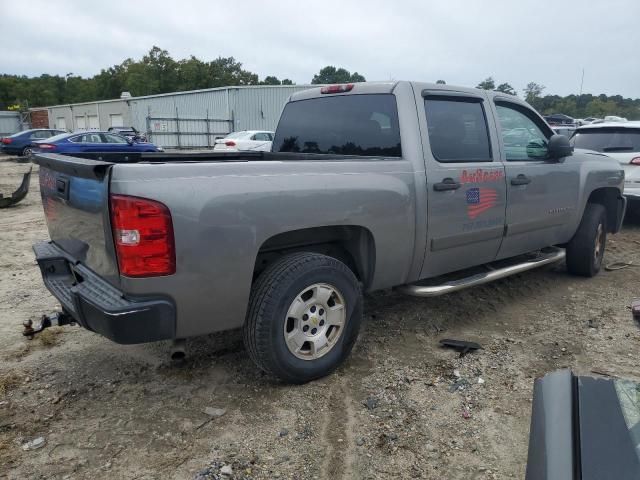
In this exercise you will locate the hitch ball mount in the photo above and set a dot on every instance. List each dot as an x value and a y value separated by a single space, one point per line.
46 321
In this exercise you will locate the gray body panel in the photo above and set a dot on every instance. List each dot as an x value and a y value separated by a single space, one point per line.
224 211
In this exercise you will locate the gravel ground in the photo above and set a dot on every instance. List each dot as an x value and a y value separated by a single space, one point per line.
400 407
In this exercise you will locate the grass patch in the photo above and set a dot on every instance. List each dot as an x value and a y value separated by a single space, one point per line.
9 381
50 336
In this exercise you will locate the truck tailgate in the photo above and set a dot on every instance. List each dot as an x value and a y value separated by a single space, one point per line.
75 197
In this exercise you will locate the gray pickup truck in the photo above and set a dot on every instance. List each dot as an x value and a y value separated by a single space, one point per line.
428 188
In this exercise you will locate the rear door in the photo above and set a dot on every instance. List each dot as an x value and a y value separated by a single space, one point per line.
542 194
115 143
465 182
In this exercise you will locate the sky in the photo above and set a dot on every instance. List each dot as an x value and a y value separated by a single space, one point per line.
459 41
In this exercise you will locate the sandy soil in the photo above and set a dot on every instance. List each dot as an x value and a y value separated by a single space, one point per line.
396 408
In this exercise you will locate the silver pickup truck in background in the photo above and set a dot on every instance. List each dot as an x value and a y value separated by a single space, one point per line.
368 186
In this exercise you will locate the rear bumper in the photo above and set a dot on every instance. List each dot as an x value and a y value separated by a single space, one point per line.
98 306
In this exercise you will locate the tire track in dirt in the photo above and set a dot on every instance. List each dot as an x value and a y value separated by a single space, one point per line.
337 438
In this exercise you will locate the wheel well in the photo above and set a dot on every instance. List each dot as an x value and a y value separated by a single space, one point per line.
352 245
607 197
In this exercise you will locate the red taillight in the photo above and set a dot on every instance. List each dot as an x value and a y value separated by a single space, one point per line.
45 146
345 87
143 236
230 143
635 161
6 141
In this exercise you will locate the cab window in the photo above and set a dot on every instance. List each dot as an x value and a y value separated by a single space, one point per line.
457 129
522 137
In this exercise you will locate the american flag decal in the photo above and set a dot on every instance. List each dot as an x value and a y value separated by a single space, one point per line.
480 200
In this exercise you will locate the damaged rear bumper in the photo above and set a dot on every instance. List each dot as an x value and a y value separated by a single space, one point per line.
99 306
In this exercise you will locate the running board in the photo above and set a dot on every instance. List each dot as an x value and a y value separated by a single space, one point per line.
555 255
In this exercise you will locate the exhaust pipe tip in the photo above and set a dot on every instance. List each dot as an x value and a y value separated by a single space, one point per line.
178 350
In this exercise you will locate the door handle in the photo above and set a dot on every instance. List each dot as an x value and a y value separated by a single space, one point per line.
446 184
521 180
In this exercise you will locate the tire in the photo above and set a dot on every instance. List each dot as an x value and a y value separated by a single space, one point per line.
26 152
292 285
586 249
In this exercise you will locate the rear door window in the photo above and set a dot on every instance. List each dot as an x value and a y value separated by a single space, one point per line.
609 139
365 125
457 129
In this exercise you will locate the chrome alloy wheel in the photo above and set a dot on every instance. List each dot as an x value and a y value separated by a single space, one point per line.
315 321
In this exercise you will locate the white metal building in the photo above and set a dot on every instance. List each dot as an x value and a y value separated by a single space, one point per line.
182 119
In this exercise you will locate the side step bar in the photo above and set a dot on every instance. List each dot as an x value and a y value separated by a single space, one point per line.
550 256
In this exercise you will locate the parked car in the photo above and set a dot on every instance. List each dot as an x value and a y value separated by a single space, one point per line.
368 186
621 141
247 140
566 130
559 119
129 132
614 118
20 143
584 428
80 142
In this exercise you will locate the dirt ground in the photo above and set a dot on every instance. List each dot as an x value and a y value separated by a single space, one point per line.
399 408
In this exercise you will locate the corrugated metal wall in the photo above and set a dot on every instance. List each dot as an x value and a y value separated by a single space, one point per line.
178 120
9 123
88 116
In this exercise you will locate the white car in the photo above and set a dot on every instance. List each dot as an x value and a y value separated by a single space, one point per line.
247 140
619 140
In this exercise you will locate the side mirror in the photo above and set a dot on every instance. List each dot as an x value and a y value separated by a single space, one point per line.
559 147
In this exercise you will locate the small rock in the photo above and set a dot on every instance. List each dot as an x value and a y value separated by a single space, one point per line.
430 447
371 403
226 470
284 432
34 444
456 373
480 380
215 412
360 441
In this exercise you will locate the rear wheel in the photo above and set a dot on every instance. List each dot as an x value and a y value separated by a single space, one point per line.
304 316
585 251
26 152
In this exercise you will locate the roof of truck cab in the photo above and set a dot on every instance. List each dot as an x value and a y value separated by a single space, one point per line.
389 87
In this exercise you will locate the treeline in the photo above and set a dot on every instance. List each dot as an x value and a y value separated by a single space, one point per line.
157 72
576 106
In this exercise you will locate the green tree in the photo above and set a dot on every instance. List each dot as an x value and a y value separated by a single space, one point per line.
506 88
441 82
270 80
487 84
532 93
331 74
286 81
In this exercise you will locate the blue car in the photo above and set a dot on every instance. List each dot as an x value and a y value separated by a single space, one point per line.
20 143
79 142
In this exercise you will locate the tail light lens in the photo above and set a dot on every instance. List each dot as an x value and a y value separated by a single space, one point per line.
45 146
635 161
143 236
230 143
6 141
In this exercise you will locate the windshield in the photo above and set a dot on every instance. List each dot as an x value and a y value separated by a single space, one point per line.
608 139
57 137
236 135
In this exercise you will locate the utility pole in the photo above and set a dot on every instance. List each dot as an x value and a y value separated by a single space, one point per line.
582 82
